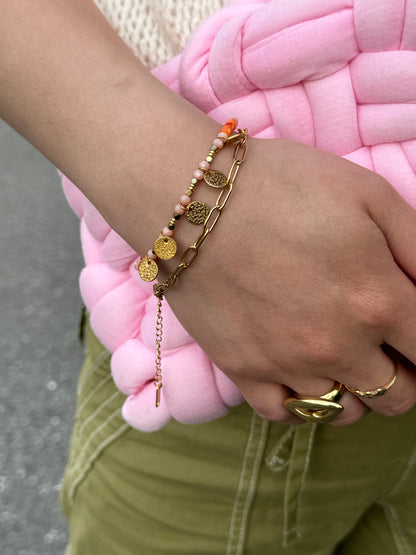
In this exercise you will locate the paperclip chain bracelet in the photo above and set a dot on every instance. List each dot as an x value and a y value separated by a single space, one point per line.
195 212
189 255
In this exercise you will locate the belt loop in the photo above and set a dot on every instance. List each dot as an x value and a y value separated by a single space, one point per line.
250 471
299 463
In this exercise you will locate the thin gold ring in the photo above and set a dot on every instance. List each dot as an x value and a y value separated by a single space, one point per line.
379 390
320 410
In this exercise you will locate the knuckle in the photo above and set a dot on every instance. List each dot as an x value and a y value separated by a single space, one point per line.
271 414
372 307
351 416
267 414
321 347
399 406
381 189
280 416
346 420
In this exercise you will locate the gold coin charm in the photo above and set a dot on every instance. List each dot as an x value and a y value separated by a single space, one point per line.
165 248
215 179
196 212
148 269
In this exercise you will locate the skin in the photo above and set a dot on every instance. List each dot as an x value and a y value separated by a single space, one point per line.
311 270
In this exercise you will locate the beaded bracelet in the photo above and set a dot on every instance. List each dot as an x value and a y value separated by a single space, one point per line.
195 212
190 254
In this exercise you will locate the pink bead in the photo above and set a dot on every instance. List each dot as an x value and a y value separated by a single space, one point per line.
223 135
185 200
179 209
151 255
166 232
204 165
218 143
198 174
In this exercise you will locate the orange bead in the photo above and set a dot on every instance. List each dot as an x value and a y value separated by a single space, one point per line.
229 126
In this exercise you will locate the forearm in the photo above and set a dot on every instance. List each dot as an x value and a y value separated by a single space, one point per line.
78 94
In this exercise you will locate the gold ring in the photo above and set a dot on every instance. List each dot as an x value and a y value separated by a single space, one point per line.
379 390
321 410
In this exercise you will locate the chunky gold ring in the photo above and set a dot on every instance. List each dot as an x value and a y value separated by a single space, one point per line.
379 390
321 410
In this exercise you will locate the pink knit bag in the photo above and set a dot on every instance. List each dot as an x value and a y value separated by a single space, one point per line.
336 74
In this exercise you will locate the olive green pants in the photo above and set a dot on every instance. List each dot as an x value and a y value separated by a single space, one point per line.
238 485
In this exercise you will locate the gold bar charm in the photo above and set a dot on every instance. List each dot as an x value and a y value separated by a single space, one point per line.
158 387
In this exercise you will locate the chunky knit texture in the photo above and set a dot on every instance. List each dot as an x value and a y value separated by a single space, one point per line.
339 75
156 30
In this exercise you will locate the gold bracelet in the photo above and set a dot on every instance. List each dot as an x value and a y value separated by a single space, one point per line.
189 255
195 212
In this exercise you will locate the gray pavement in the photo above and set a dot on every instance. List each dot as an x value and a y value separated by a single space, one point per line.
40 356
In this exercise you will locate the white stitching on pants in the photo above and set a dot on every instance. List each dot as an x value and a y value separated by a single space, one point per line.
93 392
307 458
402 543
82 471
240 484
233 549
400 539
304 473
93 434
100 359
104 443
97 410
252 486
294 529
410 463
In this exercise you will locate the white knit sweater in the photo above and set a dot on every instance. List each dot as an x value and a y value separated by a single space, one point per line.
156 30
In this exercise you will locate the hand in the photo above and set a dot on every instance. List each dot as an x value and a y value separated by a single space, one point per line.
307 276
310 270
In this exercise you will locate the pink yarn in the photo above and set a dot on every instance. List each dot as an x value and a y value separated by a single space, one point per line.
339 75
